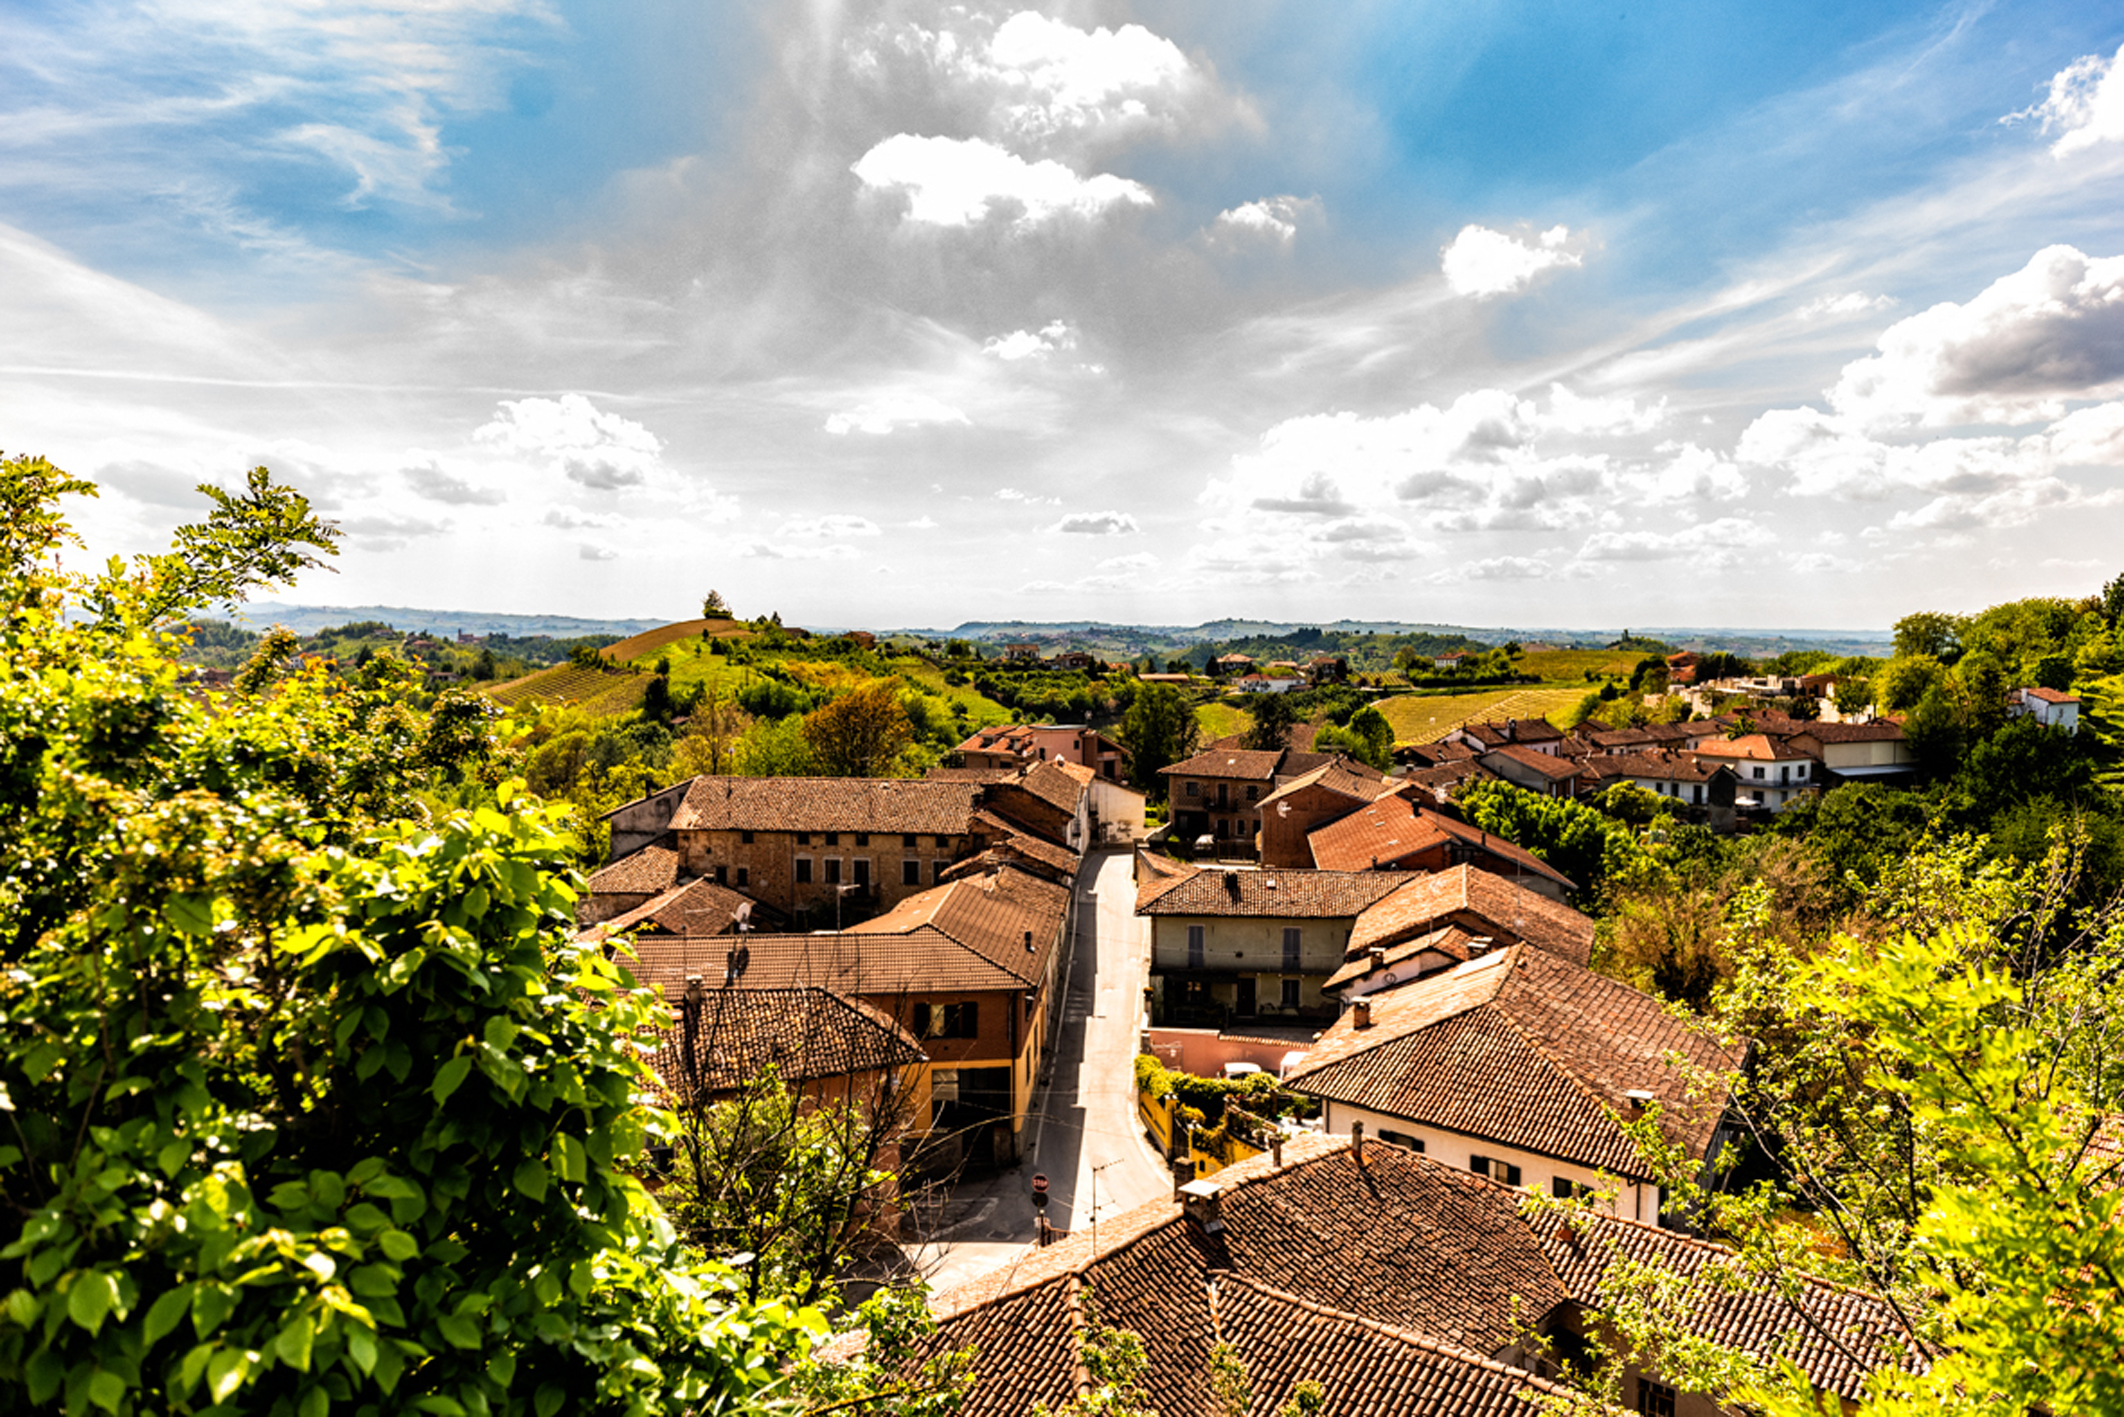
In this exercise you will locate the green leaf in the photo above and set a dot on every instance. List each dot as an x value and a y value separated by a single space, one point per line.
361 1348
568 1158
194 1366
316 1402
226 1371
502 1368
499 1033
439 1405
106 1389
451 1076
23 1307
398 1245
166 1313
210 1307
293 1344
46 1370
191 914
461 1332
172 1158
90 1297
366 1217
549 1400
531 1179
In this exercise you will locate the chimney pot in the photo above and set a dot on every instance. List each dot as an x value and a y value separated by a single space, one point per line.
1480 945
1357 1141
1200 1204
1638 1098
1377 955
1028 940
1363 1011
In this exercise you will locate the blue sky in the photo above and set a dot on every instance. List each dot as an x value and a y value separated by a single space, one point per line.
1506 313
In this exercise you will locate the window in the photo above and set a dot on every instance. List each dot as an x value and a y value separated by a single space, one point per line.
1654 1399
1290 946
910 872
1758 772
1496 1170
722 875
947 1020
943 843
1195 946
862 838
1194 789
803 870
936 870
862 871
1568 1190
834 838
1401 1139
1290 993
833 870
745 837
744 876
1696 794
908 841
1253 794
803 838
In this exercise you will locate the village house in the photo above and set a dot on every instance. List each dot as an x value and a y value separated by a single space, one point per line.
1074 659
1240 944
1020 745
1023 652
1432 922
1328 792
1218 792
1693 781
969 969
1397 1283
1327 669
1773 774
1541 769
1267 684
695 907
2048 707
1450 660
1228 664
1524 1067
1536 734
1393 833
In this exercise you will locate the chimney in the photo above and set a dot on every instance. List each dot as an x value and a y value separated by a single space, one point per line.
1639 1099
1480 945
1362 1011
1357 1141
1276 1149
1028 942
1376 956
1199 1203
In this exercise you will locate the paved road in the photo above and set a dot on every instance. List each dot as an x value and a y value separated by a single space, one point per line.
1087 1139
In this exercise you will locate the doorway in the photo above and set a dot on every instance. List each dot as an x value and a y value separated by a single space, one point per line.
1246 998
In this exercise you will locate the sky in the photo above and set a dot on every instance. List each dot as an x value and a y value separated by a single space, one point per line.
1545 314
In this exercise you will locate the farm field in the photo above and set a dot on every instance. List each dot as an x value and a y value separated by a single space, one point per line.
599 691
1221 720
1572 664
1420 719
650 641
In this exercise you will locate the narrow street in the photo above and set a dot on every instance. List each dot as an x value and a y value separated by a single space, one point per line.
1083 1135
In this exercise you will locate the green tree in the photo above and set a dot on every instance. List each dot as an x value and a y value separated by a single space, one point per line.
1934 731
776 747
861 733
1159 730
312 1100
714 607
1902 681
2112 601
1929 634
1576 839
1273 720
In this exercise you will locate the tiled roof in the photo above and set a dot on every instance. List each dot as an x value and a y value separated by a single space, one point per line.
1511 912
696 908
644 872
1360 782
1522 1048
1449 940
1392 827
804 1033
1609 739
1753 747
1665 766
1386 1280
980 775
1880 730
1837 1338
2050 696
1054 785
849 804
965 936
1548 765
1272 894
1057 863
1250 764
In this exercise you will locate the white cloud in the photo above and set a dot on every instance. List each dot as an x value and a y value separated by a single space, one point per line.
1824 562
957 181
1012 494
1273 217
1693 473
1499 568
1573 413
1837 307
1481 262
1070 78
924 523
2085 105
1032 344
880 416
595 551
575 519
830 551
1098 524
1134 561
831 525
428 479
1720 542
2089 437
598 450
2050 331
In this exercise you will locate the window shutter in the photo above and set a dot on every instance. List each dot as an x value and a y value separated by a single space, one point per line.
969 1020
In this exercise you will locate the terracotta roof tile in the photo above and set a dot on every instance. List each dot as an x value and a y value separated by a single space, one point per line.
696 908
1548 765
850 804
1250 764
644 872
1271 894
1510 912
1555 1048
805 1033
1392 827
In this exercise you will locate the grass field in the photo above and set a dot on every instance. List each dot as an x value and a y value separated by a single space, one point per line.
1572 664
1220 720
1420 719
650 641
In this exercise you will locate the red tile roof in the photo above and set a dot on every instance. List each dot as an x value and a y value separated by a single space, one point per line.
1507 912
1360 782
821 804
1248 764
644 872
1549 765
1522 1048
1270 894
696 908
804 1033
1393 828
2050 696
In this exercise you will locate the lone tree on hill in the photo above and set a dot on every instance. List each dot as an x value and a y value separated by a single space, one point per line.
715 607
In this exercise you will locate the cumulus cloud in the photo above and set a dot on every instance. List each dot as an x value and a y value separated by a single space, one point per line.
1064 77
2085 105
1574 413
575 519
1317 496
881 416
1098 524
822 528
959 181
1692 473
1012 494
2051 331
596 449
1481 262
786 551
1032 344
1720 542
429 480
1495 568
150 483
593 551
1273 217
388 533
